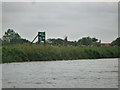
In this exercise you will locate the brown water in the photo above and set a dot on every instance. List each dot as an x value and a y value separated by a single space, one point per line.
98 73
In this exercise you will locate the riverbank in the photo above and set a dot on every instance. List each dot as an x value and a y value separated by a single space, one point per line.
35 52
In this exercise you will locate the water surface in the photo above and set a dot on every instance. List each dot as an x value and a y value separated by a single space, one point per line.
98 73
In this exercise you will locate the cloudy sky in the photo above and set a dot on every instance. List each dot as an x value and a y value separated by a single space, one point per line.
0 19
75 20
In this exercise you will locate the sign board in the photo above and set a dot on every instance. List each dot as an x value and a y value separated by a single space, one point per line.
41 37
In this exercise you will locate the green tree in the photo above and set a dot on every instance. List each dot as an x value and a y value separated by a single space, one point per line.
85 41
66 41
94 39
56 41
11 37
0 41
116 42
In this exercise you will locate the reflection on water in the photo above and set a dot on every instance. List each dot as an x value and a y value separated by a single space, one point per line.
101 73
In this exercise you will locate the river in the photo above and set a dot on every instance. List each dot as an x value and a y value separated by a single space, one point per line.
96 73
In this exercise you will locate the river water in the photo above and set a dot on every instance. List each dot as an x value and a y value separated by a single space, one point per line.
97 73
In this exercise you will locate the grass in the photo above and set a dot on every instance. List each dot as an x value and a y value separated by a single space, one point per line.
35 52
0 54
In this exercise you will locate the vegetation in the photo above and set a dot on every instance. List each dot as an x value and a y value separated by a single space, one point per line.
36 52
0 41
11 37
0 54
17 49
85 41
116 42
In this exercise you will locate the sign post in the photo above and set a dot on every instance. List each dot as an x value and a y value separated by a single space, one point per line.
41 37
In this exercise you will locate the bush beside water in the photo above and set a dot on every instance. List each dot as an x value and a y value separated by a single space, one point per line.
35 52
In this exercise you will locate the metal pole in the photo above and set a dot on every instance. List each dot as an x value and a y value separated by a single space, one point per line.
34 39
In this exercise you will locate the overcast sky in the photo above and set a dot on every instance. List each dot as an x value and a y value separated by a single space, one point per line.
75 20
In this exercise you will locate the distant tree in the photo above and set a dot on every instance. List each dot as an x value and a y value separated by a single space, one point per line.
0 41
20 41
96 44
11 37
85 41
94 39
116 42
56 41
65 41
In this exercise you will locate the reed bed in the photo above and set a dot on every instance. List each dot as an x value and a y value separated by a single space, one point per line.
36 52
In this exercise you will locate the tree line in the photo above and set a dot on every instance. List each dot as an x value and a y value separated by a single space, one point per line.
12 37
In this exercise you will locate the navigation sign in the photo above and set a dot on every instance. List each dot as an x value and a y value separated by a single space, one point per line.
41 36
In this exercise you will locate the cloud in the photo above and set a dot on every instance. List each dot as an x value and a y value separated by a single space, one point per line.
59 19
0 19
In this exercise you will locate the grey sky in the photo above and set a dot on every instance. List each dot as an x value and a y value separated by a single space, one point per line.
0 19
75 20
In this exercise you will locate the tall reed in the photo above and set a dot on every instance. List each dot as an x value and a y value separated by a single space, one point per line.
36 52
